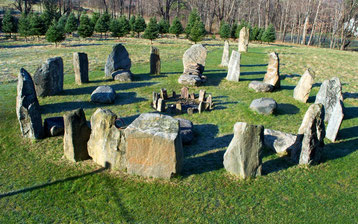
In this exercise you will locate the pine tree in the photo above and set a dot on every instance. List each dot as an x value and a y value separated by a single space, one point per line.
239 27
71 24
24 26
193 17
132 22
102 25
95 17
225 31
37 25
124 24
255 33
47 17
176 27
139 25
164 26
233 30
55 33
197 33
62 21
115 28
261 32
9 23
269 35
152 30
85 28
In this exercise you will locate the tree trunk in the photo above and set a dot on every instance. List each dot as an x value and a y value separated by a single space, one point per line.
314 22
267 14
307 17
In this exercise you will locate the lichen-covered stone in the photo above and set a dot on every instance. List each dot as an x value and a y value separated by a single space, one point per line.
234 67
264 105
280 142
154 146
334 123
226 54
103 94
272 75
117 60
122 76
304 86
261 86
244 39
80 65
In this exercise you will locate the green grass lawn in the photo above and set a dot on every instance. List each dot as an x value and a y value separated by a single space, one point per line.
37 185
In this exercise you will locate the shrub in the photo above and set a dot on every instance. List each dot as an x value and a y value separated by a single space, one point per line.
71 24
269 35
197 32
176 27
24 26
193 17
139 25
55 33
85 28
225 31
102 25
164 26
152 30
9 23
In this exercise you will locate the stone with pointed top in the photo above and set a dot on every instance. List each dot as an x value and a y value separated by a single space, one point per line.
272 75
304 86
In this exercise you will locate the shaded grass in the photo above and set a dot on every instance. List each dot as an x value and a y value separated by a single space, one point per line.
38 185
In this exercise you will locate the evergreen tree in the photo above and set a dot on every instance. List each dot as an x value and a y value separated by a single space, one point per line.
85 28
9 23
259 35
71 24
95 17
152 30
176 27
47 17
132 22
269 35
239 27
102 25
233 30
37 25
115 28
225 31
62 21
55 33
193 17
164 26
255 33
24 26
124 24
197 33
139 25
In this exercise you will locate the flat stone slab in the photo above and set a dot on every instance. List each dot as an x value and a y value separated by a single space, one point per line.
122 76
264 106
261 86
191 80
334 123
280 142
103 94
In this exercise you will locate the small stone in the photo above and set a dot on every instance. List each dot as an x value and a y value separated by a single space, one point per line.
155 100
329 93
192 96
54 126
184 93
161 105
202 94
190 111
209 102
80 65
243 156
334 123
191 80
280 142
264 105
272 75
244 39
304 86
77 134
186 130
174 95
154 61
163 94
234 67
103 94
226 52
122 76
261 86
117 60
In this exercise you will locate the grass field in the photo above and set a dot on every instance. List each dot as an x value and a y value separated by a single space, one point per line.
37 185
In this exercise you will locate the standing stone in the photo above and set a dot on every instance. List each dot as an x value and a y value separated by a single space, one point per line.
161 105
209 102
117 60
184 93
163 94
48 78
264 105
201 107
194 64
234 67
27 107
174 95
244 39
103 94
155 100
226 53
154 146
178 108
311 133
77 134
192 96
334 123
106 145
243 156
202 94
280 142
154 61
328 95
304 86
186 130
272 76
54 126
80 65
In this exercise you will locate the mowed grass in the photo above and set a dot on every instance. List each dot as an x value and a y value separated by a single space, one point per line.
37 185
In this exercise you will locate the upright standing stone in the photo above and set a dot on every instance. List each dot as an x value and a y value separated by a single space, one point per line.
244 39
243 156
161 105
48 78
154 61
194 64
106 145
328 95
272 76
334 123
155 100
226 53
202 94
80 65
154 146
312 134
163 94
184 93
118 60
209 102
27 107
77 134
234 67
304 86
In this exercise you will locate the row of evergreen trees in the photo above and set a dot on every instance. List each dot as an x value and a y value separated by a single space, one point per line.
55 28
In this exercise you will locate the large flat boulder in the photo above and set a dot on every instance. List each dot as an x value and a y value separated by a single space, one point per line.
329 93
103 95
154 146
280 142
272 75
243 156
107 145
264 105
48 78
234 67
77 134
191 80
261 86
195 57
304 86
28 110
122 76
117 60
